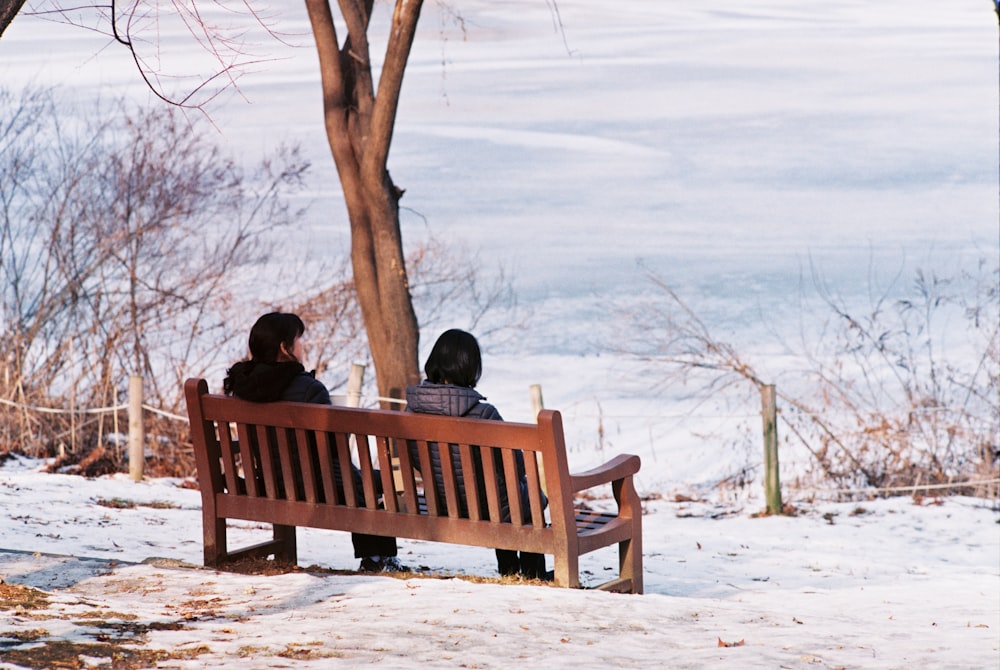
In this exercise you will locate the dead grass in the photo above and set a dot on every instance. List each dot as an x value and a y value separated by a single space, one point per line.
59 654
17 597
117 639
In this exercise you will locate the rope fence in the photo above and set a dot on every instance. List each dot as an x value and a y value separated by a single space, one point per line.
354 398
901 489
373 401
56 410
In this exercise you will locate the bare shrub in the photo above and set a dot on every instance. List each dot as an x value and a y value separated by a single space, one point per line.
125 238
901 393
913 380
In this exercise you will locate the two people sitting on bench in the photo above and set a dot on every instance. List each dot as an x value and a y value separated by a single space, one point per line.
275 372
453 369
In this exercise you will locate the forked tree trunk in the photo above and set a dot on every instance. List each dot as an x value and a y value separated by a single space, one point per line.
359 126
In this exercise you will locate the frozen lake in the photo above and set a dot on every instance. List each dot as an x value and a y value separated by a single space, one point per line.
725 150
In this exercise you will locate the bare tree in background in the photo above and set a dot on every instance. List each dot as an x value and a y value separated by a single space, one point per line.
125 239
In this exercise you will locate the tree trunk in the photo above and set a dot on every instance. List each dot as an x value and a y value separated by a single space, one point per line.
359 128
8 10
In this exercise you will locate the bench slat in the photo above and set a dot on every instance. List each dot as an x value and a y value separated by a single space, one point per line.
534 489
228 455
246 458
449 480
363 520
327 456
384 450
398 425
266 467
367 471
409 480
469 481
490 484
351 492
430 486
284 452
305 441
616 530
511 482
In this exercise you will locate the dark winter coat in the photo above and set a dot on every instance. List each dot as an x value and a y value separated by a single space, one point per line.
287 381
451 400
270 382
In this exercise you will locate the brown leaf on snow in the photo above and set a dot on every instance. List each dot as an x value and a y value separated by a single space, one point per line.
731 644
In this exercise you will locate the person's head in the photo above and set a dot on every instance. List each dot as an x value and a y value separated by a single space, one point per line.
455 359
275 338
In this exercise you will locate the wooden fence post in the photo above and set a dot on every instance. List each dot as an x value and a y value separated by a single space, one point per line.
536 399
537 405
354 383
136 438
772 484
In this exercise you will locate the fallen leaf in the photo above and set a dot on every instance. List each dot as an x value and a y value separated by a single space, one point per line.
731 644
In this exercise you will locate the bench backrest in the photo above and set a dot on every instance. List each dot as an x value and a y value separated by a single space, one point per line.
302 453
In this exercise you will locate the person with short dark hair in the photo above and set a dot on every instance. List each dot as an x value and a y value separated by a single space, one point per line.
274 372
453 369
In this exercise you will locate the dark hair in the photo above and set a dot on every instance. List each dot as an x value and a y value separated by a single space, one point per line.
270 332
455 359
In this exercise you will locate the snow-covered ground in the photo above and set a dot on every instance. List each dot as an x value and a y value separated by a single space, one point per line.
878 584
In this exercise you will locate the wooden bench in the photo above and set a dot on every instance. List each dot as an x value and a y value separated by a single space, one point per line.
277 462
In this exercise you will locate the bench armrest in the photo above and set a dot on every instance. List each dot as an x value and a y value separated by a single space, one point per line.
618 468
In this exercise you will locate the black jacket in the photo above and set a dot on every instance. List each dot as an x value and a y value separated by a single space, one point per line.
270 382
285 381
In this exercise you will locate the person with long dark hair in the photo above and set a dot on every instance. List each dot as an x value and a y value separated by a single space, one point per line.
453 369
274 372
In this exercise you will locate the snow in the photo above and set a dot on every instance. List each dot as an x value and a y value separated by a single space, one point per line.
725 149
895 583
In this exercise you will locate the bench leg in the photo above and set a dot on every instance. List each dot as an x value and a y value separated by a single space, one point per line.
284 537
214 538
567 570
630 562
630 551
